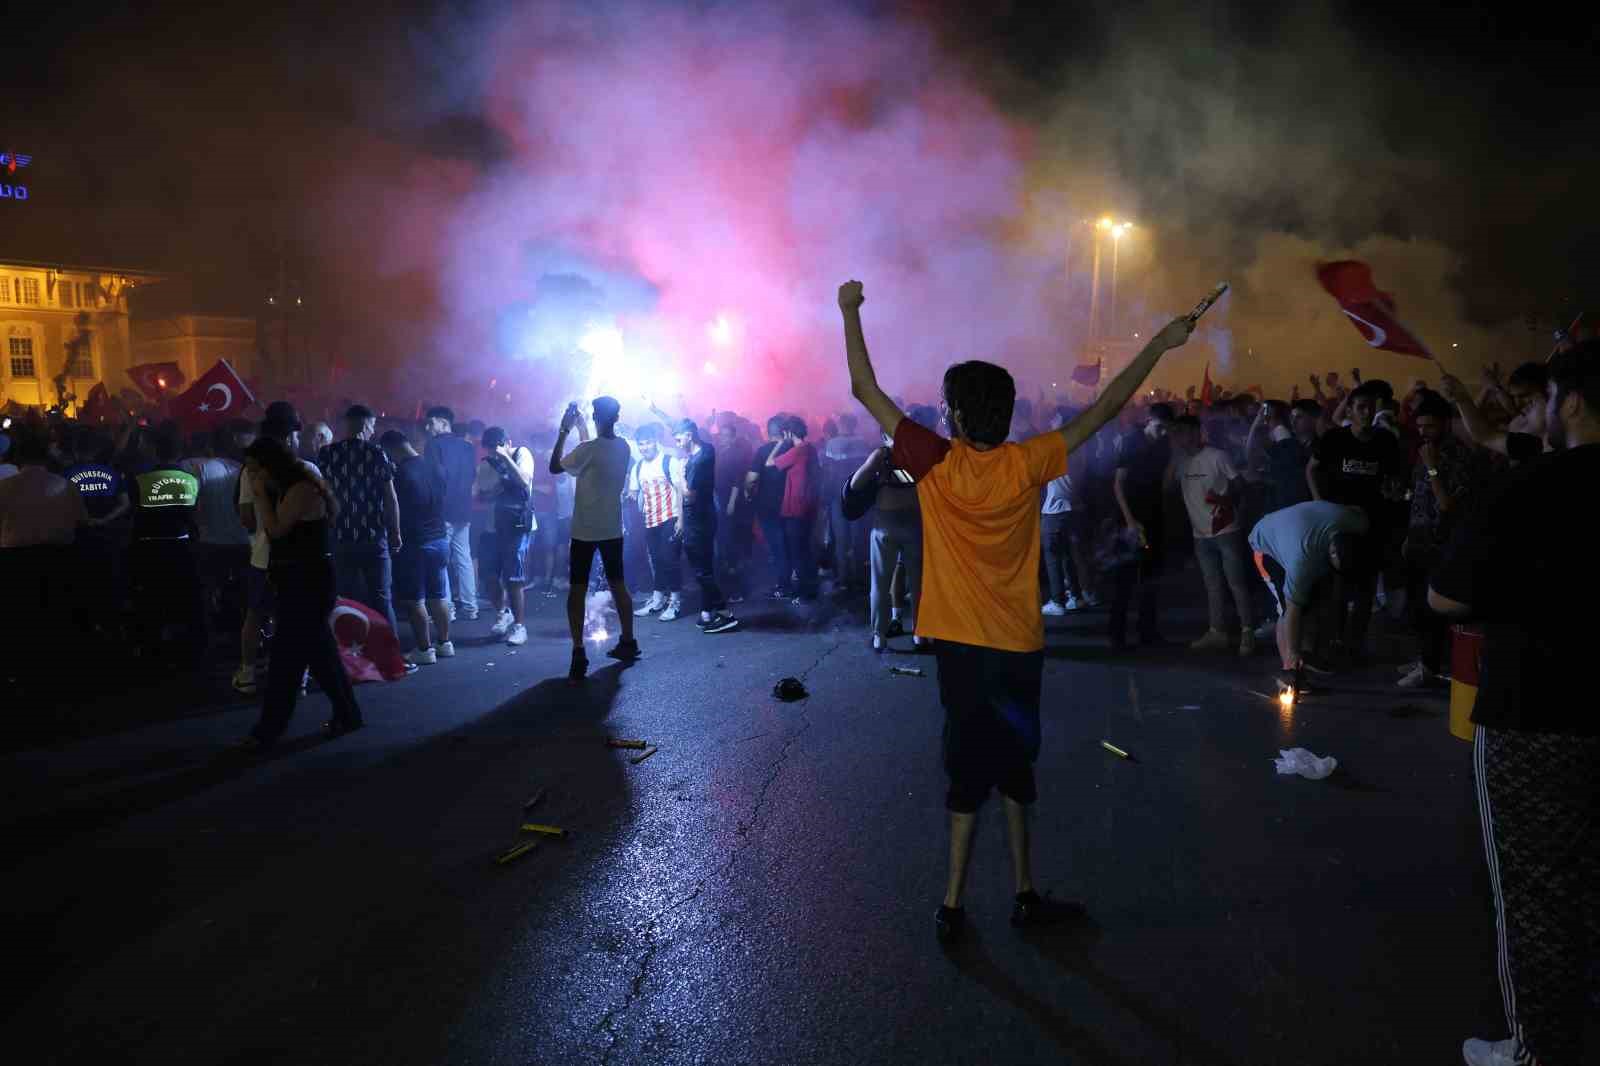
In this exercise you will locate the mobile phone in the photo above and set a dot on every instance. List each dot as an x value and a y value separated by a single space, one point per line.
1206 301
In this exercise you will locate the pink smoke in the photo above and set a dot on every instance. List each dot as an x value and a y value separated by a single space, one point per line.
738 164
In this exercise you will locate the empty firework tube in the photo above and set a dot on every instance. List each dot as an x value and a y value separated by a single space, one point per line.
643 755
547 830
613 742
1113 749
517 852
533 800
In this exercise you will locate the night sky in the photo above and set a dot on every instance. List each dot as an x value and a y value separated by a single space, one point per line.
208 137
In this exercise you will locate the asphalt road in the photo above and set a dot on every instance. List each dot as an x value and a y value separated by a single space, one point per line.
762 889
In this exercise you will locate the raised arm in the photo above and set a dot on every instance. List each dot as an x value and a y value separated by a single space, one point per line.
863 381
1124 385
1482 432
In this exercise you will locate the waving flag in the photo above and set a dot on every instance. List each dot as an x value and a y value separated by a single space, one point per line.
1371 311
1207 390
217 396
1087 374
157 380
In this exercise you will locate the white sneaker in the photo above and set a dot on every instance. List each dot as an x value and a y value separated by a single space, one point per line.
1053 609
1484 1053
1419 677
1214 640
517 635
652 605
446 649
1073 603
674 609
422 657
503 624
450 609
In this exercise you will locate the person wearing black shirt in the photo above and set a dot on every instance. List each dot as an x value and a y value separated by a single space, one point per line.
162 569
700 525
457 458
1522 566
421 563
1139 548
1359 466
763 486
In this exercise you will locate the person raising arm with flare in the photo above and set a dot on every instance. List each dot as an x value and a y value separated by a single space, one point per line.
979 601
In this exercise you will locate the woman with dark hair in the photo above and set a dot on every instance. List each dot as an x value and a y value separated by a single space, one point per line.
295 507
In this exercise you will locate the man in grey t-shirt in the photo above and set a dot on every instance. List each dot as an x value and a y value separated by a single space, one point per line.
1297 547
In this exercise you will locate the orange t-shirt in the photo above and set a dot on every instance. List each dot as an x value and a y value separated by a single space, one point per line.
980 535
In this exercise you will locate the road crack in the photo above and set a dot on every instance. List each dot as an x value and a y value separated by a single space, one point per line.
651 932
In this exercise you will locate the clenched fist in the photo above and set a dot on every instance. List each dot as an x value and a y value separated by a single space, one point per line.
850 296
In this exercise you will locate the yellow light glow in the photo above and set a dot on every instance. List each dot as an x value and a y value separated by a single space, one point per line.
1104 223
1286 698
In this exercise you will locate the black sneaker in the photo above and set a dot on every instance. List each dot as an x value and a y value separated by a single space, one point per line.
626 651
579 667
894 629
949 924
720 623
1032 910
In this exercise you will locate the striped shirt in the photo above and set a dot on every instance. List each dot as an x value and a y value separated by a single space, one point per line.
657 495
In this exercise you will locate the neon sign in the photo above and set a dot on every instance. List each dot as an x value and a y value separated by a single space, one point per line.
10 163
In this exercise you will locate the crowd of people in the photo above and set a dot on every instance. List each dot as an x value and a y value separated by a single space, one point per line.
966 522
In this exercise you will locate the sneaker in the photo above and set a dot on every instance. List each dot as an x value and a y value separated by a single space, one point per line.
1420 677
652 605
1247 643
720 623
466 614
517 635
878 644
895 628
1032 910
579 667
1484 1053
450 609
673 612
503 624
1410 667
626 651
1091 599
1267 630
1053 609
1073 603
446 649
422 657
949 924
1214 640
244 681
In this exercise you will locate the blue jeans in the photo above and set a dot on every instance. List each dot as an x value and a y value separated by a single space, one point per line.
772 533
462 585
366 577
1222 560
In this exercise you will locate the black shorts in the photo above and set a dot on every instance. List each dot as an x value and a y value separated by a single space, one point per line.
991 722
582 561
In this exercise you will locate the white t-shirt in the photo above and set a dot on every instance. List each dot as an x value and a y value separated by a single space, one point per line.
1208 471
601 468
260 544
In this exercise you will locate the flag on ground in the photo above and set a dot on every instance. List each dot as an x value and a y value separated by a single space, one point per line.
1370 310
368 646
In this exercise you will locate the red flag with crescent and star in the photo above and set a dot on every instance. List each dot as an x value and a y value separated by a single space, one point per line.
156 380
1370 310
217 396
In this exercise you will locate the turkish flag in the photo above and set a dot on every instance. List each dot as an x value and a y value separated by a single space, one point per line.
1087 374
368 646
217 396
1371 311
1207 390
99 407
156 380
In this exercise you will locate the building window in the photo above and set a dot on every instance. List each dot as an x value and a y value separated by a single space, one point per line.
66 293
80 358
20 347
5 290
88 296
28 291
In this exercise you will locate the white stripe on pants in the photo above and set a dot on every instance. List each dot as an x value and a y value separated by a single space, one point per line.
1508 993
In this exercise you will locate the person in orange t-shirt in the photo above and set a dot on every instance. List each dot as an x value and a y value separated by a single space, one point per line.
980 584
